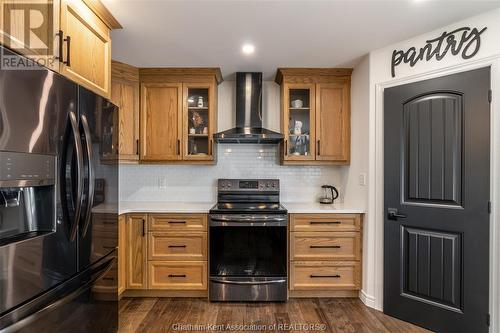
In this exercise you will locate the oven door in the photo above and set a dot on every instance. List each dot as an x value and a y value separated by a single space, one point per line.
248 258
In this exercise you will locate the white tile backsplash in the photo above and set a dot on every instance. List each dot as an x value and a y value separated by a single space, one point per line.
197 183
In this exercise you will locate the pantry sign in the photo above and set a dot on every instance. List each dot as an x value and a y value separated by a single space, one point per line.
464 42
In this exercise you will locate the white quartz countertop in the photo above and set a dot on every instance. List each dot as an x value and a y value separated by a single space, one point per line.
203 207
164 207
315 207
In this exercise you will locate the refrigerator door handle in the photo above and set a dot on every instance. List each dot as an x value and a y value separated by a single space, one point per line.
79 186
91 174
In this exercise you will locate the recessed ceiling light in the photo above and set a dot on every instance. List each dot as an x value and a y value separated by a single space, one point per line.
248 49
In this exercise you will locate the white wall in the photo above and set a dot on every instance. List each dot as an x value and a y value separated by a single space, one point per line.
380 78
356 193
184 183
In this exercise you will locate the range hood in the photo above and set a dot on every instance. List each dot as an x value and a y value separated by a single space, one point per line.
248 114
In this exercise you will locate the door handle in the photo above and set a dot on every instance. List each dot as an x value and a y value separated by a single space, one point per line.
79 170
91 173
319 146
393 215
68 50
60 36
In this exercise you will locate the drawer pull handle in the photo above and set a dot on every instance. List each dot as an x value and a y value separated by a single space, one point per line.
177 222
108 222
177 246
325 276
109 247
325 246
108 278
177 275
325 222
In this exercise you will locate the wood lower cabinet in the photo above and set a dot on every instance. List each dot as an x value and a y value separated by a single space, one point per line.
166 255
325 254
178 115
125 94
137 254
315 115
122 254
177 246
330 275
177 275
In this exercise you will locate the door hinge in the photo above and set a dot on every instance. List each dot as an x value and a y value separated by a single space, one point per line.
489 207
490 95
488 319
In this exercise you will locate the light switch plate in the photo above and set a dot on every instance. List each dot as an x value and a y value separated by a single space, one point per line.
362 179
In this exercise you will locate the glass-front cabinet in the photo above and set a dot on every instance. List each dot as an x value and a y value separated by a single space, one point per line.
315 115
299 121
199 121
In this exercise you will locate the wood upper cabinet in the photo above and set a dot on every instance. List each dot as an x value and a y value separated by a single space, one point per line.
87 47
333 121
125 94
136 251
315 115
161 121
178 115
40 43
71 37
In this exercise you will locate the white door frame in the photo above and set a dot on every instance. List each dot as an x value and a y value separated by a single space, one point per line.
376 174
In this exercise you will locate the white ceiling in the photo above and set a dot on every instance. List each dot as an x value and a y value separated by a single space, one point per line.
285 33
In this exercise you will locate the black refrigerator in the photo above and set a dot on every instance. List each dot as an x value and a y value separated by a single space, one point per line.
58 204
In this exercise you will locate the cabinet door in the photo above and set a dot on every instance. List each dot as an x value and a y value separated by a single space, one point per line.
199 121
87 53
299 121
161 121
333 122
136 252
122 255
30 28
125 94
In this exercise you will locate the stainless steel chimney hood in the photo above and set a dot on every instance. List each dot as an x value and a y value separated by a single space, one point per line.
248 114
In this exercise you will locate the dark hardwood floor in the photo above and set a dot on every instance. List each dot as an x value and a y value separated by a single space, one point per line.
332 315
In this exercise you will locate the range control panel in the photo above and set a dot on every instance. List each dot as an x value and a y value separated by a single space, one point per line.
244 185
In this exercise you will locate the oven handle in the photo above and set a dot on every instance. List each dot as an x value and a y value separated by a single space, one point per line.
222 280
248 218
252 223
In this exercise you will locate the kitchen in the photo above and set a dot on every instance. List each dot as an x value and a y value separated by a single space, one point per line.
207 179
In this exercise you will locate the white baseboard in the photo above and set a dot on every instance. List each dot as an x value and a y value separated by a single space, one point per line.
368 300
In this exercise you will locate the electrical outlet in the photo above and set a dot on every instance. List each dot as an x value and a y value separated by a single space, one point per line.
162 183
362 179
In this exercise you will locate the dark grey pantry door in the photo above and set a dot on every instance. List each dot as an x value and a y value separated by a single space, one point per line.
436 201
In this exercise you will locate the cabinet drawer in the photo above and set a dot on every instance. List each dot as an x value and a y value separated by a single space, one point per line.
105 222
177 275
177 246
325 222
320 275
325 246
177 222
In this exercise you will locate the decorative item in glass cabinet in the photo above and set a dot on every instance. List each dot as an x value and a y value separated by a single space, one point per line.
197 122
200 102
298 128
297 103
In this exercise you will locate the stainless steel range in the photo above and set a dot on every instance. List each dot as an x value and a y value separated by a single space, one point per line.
248 242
